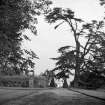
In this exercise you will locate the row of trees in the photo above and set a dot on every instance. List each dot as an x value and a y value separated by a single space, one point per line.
16 16
87 57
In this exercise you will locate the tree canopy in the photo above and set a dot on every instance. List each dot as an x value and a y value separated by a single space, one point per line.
17 15
84 56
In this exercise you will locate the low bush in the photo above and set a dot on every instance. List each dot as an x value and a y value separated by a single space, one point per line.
22 81
14 81
89 80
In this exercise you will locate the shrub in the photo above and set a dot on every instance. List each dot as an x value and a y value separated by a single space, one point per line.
14 81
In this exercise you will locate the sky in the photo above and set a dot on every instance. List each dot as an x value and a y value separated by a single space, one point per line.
48 40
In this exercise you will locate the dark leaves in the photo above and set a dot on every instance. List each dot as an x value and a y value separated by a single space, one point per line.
31 53
15 16
102 2
63 49
27 38
59 14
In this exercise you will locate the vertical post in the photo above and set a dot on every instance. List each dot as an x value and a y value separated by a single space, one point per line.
31 80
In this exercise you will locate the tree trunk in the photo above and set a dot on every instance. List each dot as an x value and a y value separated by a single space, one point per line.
77 69
76 79
65 85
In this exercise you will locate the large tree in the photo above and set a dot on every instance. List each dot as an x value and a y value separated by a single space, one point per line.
17 15
82 52
67 15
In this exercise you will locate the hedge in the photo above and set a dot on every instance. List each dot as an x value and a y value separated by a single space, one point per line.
14 81
22 81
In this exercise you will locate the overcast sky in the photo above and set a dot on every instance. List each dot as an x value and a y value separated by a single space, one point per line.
47 42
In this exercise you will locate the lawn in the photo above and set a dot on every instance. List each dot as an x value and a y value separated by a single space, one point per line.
21 96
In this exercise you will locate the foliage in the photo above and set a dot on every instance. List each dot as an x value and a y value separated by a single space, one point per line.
91 80
22 81
17 15
48 74
82 57
67 15
94 47
14 81
65 62
102 2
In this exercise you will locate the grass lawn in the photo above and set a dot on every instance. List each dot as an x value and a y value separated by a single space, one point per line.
14 96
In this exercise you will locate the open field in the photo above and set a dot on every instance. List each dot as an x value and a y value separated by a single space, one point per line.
21 96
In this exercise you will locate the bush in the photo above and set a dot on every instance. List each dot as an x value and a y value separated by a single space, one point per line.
89 80
14 81
22 81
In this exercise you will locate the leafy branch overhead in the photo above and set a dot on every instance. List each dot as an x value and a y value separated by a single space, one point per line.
18 15
61 14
